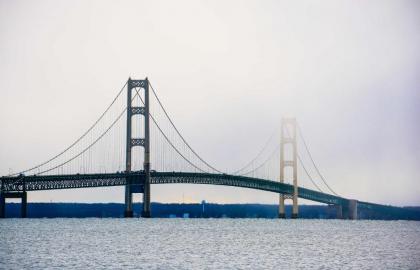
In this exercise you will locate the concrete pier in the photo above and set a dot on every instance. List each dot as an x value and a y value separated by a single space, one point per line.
352 209
282 215
6 195
2 206
349 209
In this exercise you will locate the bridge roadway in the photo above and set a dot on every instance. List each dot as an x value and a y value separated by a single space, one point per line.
18 184
49 182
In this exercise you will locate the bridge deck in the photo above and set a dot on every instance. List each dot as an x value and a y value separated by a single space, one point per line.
49 182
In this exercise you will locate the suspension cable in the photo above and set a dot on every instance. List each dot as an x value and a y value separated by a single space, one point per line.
262 164
89 146
75 142
179 133
313 162
93 143
307 173
167 139
257 156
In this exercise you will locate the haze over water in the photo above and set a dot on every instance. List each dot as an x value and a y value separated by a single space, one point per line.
208 244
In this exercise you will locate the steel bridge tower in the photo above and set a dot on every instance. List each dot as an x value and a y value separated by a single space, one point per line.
130 188
288 137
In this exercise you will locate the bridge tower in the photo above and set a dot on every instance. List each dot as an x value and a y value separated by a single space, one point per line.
288 136
130 187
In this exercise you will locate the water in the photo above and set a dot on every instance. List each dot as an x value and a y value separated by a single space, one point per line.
208 244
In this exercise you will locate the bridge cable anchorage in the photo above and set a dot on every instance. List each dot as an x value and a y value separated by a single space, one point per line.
313 162
303 166
258 155
262 164
169 141
179 133
75 142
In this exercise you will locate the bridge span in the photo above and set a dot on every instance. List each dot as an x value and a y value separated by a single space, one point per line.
16 187
172 161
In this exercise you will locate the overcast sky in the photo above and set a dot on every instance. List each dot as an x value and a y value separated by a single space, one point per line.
227 71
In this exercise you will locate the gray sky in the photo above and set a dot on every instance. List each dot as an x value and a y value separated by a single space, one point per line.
227 72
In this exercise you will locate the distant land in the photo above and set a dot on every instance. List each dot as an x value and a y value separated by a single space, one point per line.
203 210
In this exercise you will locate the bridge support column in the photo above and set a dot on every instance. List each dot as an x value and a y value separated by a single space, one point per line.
128 212
350 209
146 213
23 206
288 137
282 211
2 206
132 142
146 194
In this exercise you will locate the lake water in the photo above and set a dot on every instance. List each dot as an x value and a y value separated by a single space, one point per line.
208 244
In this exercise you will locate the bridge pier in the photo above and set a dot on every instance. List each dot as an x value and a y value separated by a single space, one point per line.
350 210
128 212
146 195
2 206
23 205
282 210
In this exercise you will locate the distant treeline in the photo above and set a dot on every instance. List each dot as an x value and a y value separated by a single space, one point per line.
204 210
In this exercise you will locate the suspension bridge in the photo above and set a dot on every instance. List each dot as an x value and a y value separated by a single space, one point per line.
145 148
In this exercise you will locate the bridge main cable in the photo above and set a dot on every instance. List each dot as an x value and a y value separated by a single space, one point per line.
76 141
168 140
313 162
262 164
179 133
88 147
256 157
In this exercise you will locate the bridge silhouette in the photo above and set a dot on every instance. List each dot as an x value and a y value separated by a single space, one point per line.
107 155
